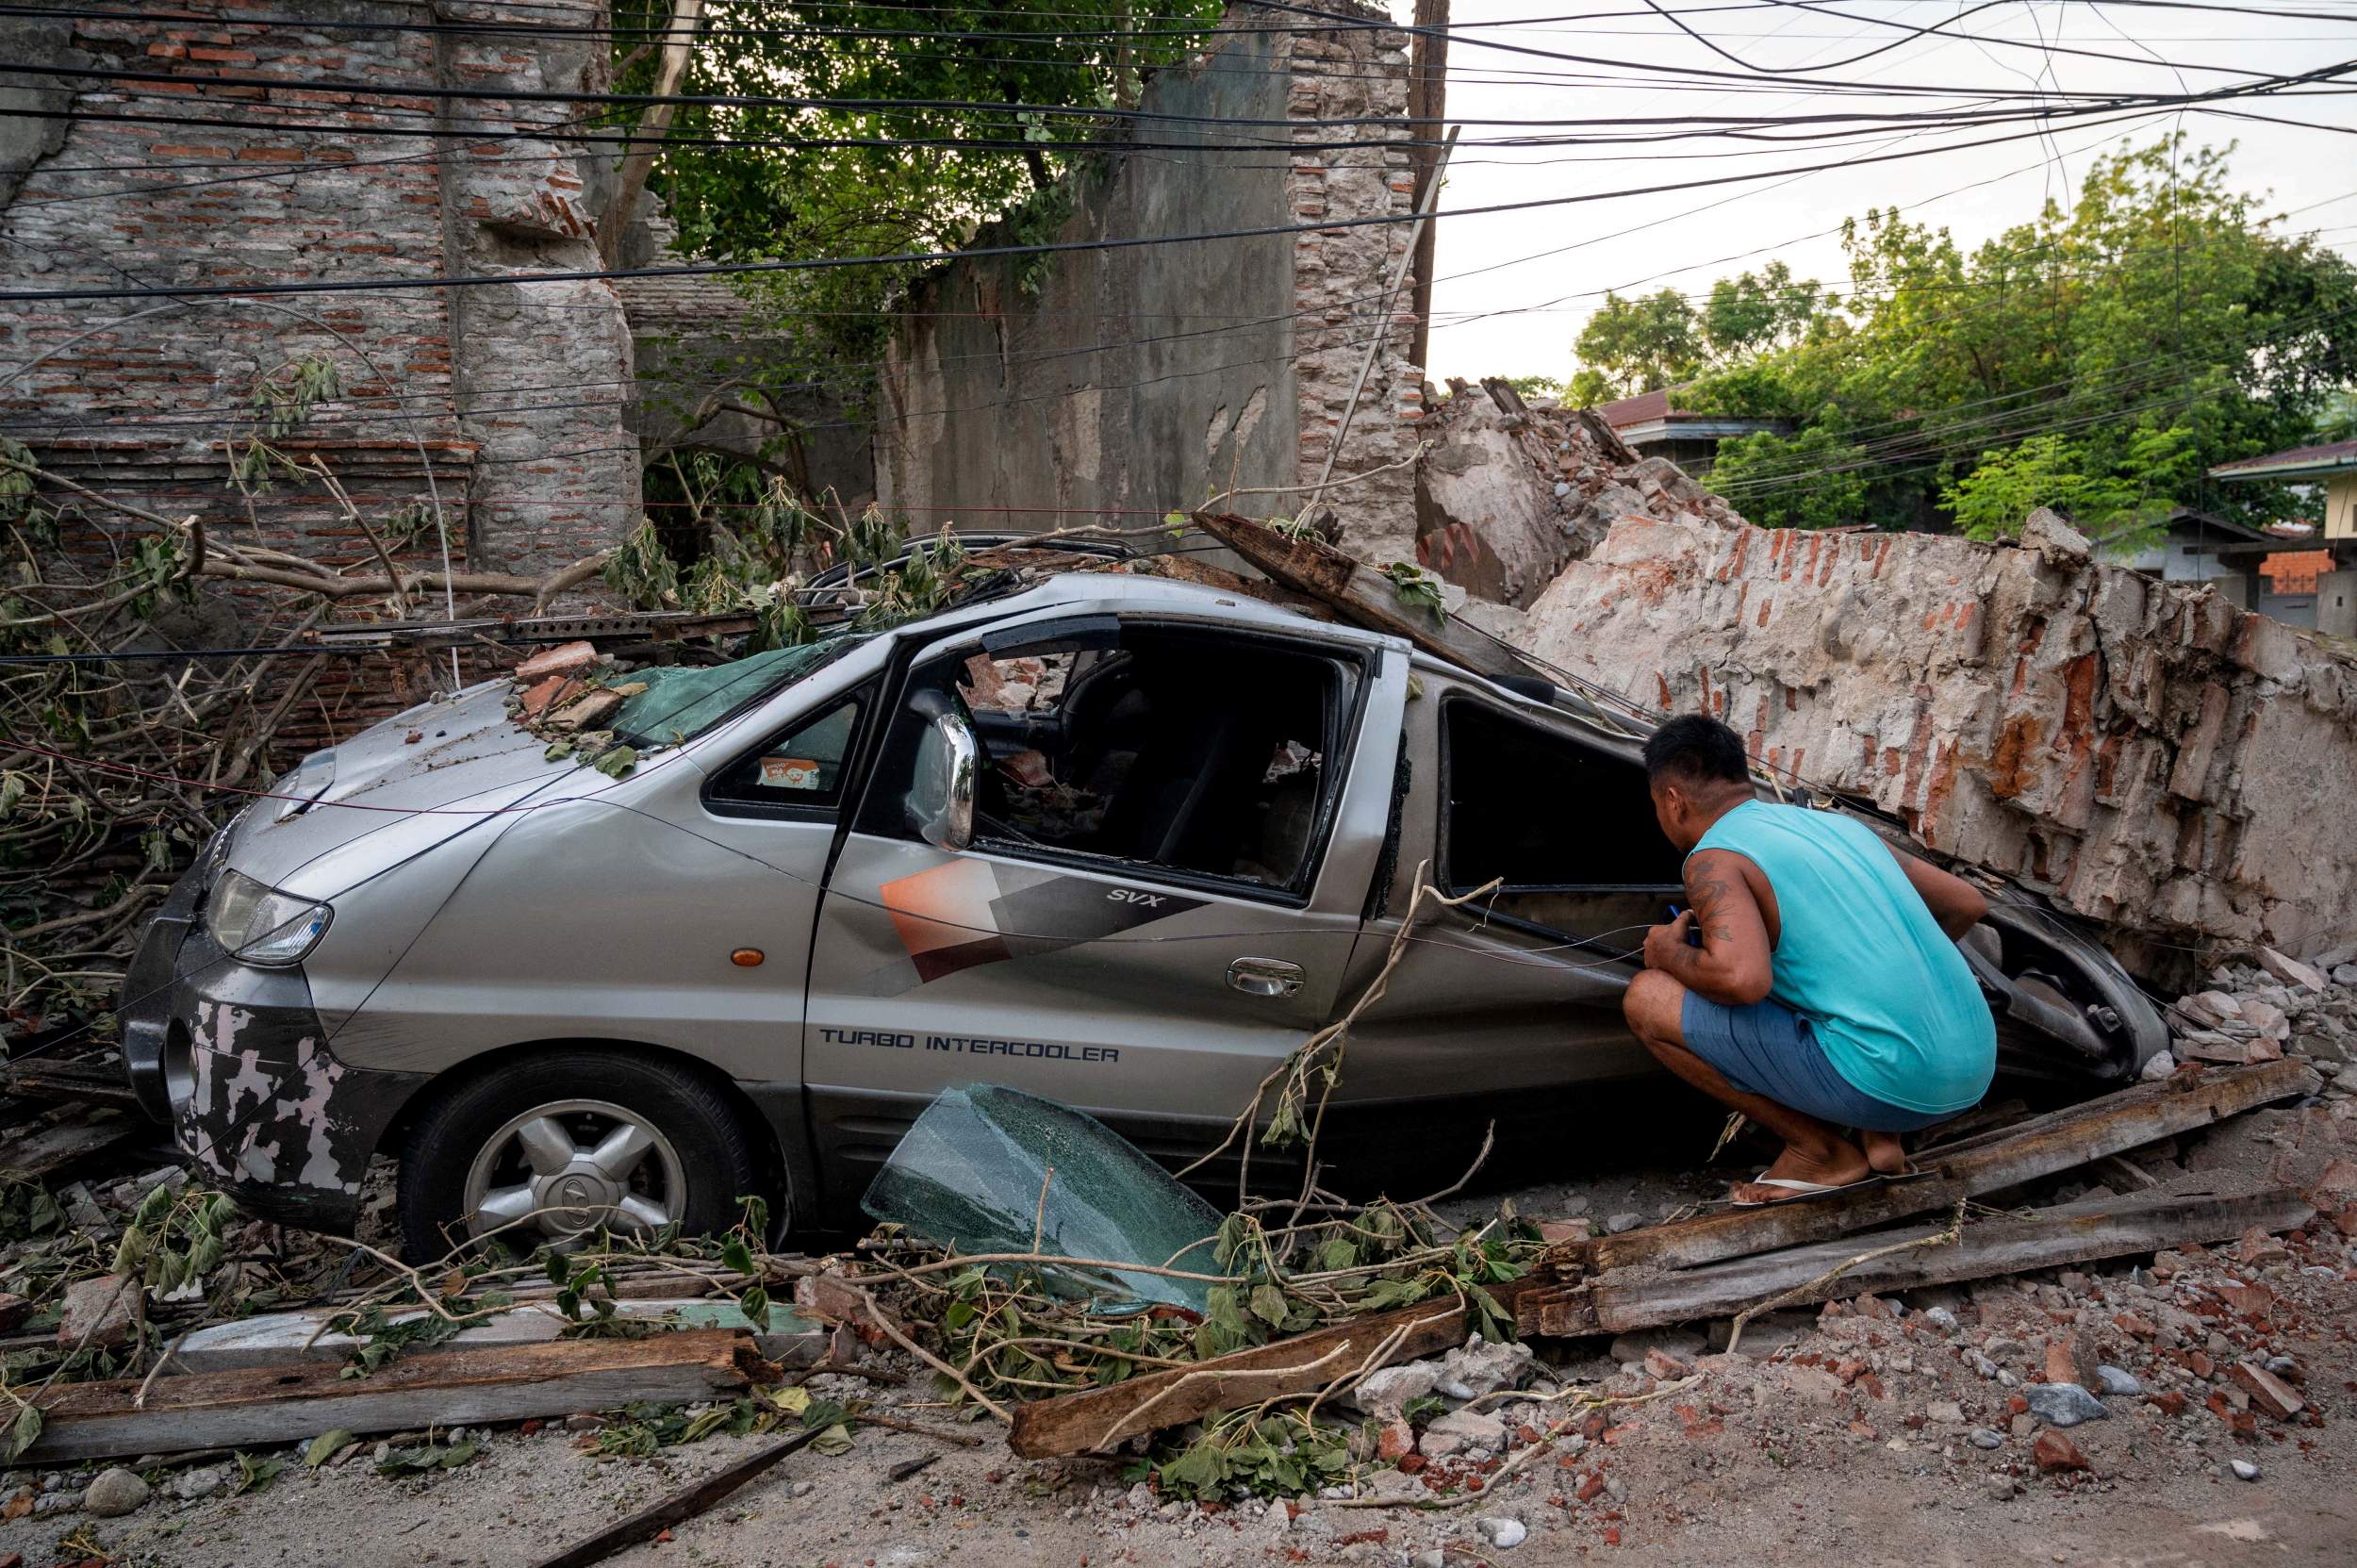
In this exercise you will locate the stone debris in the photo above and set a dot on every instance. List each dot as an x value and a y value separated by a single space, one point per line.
2143 752
116 1492
1510 493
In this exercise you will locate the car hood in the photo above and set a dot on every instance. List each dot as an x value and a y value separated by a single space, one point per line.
418 777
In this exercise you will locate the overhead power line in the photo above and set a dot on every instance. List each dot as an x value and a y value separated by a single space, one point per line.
320 285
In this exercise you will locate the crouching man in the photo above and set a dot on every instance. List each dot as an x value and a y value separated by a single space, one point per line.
1825 992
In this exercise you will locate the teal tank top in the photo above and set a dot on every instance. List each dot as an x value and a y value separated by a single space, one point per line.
1859 956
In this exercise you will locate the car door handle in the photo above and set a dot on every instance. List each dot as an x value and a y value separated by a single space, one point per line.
1264 977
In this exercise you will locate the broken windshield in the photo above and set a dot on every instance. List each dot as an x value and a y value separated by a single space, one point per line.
992 1170
682 701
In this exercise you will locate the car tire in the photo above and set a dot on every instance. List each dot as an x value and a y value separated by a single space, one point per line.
486 1139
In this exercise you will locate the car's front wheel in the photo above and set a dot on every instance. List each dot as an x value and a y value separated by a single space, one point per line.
543 1149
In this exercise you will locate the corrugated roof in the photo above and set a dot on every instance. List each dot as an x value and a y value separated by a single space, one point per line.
2331 455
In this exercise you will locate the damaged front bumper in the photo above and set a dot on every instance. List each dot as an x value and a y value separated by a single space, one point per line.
235 1059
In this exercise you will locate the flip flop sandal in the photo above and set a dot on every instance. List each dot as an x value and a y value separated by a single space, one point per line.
1803 1189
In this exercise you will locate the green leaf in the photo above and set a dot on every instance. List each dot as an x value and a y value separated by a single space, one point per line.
617 762
1198 1473
755 1304
25 1432
739 1257
756 1217
834 1440
959 1315
324 1447
559 1270
1269 1304
154 1205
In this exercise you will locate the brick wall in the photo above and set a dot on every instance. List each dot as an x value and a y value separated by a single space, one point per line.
497 412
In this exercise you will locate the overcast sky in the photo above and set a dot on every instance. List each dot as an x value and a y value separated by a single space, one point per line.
1514 288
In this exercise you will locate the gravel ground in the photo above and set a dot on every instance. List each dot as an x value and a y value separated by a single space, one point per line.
1888 1432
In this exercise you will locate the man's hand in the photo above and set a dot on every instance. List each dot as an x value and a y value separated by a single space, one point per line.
1732 966
1666 947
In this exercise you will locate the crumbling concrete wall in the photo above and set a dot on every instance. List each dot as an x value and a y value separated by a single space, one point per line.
1138 380
2146 753
1509 493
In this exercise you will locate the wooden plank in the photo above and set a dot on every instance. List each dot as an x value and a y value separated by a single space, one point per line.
687 1503
2073 1233
1096 1418
241 1410
1966 1168
92 1082
1366 597
58 1144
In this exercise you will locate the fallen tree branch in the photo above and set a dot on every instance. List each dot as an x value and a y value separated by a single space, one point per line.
884 1321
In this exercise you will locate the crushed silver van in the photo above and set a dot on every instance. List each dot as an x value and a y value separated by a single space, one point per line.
1116 840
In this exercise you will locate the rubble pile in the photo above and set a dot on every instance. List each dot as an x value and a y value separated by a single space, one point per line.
2143 752
1509 493
2257 1013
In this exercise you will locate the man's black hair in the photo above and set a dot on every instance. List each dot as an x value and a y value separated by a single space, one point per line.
1694 748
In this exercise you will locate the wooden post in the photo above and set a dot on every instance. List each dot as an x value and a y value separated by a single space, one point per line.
1427 106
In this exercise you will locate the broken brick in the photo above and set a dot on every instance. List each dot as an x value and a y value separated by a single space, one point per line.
568 659
556 689
1667 1368
2258 1247
2249 1300
2172 1405
2056 1454
2267 1390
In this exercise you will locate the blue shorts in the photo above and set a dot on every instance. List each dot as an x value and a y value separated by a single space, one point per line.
1770 1050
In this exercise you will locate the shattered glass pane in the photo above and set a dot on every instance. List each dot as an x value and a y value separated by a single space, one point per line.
682 701
969 1173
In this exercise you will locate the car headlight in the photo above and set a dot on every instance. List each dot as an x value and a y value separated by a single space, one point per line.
261 925
303 788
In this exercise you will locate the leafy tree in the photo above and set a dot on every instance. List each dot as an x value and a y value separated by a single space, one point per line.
2125 504
2157 327
1632 346
802 184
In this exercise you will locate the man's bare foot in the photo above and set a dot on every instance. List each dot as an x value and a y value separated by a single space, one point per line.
1884 1153
1839 1167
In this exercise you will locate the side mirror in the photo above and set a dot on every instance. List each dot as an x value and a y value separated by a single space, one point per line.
940 801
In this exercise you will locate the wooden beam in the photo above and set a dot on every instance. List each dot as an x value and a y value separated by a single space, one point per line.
53 1148
1966 1168
39 1077
1098 1418
2073 1233
247 1408
1359 594
687 1503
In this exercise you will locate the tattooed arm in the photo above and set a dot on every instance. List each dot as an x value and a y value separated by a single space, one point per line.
1732 966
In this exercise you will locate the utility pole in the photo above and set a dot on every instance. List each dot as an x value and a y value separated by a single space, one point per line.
1427 106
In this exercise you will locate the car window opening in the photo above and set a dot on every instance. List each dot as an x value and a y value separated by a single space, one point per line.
794 771
1200 755
1571 830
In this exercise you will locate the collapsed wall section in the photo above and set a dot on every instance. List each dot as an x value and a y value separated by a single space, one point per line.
2143 752
1104 385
